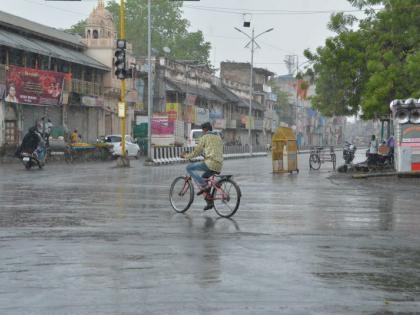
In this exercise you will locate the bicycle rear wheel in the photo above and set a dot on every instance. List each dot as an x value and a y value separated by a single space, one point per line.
314 162
181 194
226 198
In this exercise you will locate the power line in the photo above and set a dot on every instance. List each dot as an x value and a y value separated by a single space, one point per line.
84 14
268 12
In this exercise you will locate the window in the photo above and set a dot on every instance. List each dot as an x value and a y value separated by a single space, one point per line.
88 74
3 53
76 71
95 34
16 57
43 65
31 60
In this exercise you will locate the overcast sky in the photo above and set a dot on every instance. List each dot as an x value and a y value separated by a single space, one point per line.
298 24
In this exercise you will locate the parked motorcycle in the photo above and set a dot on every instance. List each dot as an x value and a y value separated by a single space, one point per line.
349 152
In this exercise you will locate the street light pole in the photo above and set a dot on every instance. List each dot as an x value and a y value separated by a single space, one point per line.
251 83
149 81
251 92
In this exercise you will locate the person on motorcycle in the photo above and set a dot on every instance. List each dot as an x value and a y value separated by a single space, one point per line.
33 143
211 147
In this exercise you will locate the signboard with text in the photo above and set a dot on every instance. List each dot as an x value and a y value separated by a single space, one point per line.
33 86
161 125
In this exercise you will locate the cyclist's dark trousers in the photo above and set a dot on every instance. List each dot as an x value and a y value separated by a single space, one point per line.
196 170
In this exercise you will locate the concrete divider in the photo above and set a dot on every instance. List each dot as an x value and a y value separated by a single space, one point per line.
171 155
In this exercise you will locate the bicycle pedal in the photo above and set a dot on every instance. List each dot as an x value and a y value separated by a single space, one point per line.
202 191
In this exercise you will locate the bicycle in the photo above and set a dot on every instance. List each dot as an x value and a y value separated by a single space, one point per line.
317 156
225 200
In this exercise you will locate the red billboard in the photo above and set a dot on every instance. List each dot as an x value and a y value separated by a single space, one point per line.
162 125
33 86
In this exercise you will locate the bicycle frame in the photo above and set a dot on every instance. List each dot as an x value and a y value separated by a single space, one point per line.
213 184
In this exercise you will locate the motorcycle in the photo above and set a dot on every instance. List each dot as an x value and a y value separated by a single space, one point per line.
33 149
349 151
30 160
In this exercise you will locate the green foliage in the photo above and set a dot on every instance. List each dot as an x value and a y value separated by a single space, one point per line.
78 28
169 29
365 69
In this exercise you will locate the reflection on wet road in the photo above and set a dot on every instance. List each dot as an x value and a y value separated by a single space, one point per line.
93 239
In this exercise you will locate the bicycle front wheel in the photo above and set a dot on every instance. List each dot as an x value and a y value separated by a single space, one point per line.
226 197
181 194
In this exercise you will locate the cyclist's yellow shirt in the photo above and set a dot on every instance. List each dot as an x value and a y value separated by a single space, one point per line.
211 146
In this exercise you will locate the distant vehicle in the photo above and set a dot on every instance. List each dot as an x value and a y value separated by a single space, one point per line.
131 148
195 134
349 151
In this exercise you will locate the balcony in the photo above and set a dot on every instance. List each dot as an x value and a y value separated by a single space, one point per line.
232 124
86 88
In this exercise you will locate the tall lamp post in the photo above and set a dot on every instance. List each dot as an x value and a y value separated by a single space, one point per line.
149 80
149 77
253 43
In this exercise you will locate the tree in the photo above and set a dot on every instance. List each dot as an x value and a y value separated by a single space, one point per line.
365 69
169 29
78 28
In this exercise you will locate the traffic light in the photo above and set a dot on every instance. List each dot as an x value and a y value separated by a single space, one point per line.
120 64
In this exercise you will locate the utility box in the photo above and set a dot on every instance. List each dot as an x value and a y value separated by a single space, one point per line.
284 151
406 118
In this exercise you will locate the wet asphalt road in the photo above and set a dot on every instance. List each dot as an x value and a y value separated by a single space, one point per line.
93 239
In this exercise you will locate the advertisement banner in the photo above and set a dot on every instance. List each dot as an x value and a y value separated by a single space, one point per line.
410 134
33 86
201 115
173 110
190 114
162 126
190 99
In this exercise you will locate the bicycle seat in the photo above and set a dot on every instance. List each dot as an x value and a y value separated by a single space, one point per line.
210 174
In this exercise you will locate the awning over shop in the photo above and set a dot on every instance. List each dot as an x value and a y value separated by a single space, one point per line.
38 46
228 95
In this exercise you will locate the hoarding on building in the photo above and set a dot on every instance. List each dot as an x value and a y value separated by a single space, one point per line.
33 86
174 111
190 99
201 115
189 114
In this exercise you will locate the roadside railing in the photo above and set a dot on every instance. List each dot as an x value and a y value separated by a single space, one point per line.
170 155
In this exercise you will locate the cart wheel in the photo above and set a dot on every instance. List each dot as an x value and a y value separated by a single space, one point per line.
314 162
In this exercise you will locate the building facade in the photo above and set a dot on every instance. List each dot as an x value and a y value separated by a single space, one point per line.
59 76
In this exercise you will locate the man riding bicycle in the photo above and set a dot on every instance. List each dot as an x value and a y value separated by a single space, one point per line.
211 147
